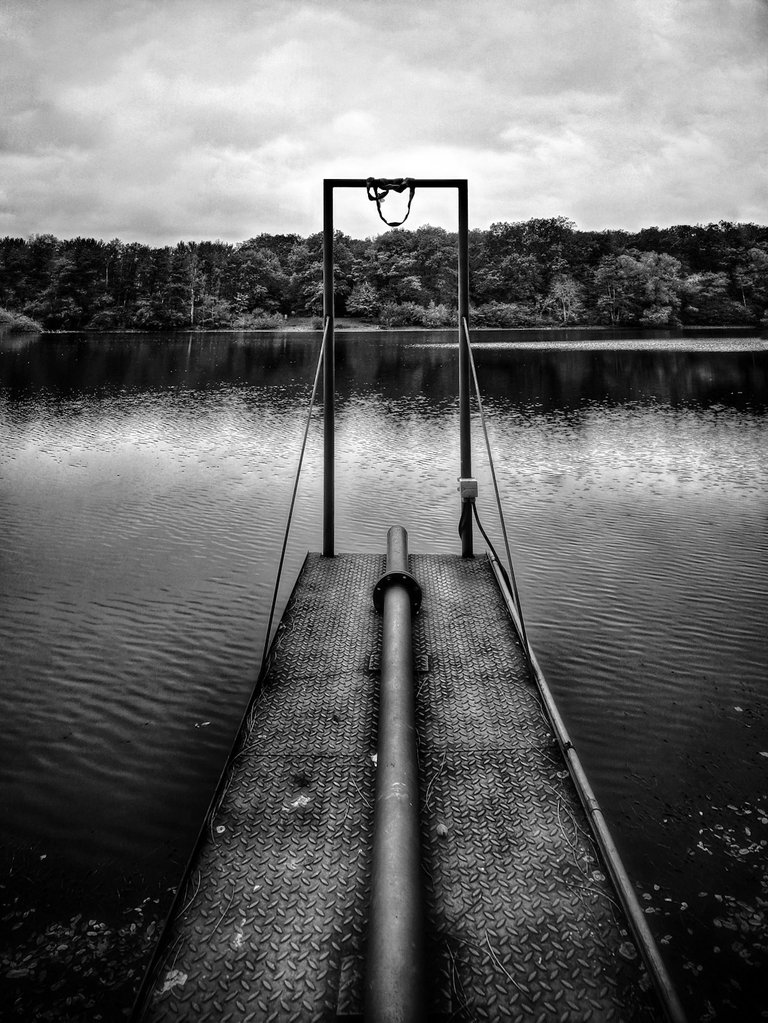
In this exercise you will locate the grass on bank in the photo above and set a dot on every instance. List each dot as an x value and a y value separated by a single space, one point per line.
17 322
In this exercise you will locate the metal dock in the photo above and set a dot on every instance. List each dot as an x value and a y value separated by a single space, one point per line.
404 830
523 920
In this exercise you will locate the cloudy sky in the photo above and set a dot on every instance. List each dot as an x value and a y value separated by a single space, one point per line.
161 120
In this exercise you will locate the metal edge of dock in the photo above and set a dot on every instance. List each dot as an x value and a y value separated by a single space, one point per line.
145 988
610 854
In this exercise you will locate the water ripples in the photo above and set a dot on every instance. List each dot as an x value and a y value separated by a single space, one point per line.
140 528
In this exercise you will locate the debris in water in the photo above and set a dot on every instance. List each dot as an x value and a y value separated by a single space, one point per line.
77 963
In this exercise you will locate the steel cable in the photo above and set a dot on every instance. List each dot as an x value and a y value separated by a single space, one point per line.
511 575
293 498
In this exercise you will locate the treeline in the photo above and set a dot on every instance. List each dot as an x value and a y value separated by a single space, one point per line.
533 273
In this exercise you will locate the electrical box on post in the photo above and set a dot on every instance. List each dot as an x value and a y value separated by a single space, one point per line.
467 488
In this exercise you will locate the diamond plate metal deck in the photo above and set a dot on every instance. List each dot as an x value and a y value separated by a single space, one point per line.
522 922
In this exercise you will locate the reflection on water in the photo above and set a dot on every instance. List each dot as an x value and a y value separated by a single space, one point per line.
143 488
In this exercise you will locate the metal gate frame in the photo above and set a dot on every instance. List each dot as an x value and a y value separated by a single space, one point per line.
329 360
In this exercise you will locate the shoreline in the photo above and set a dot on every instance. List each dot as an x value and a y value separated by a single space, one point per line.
751 328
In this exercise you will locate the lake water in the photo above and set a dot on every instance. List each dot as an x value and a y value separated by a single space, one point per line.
144 483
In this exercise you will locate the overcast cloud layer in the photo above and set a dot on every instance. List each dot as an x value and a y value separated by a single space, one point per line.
160 120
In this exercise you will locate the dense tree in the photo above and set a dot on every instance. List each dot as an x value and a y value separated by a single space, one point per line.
750 276
612 293
363 300
525 273
306 279
565 295
706 300
260 280
655 286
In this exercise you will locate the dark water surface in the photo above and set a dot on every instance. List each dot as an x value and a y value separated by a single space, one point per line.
144 483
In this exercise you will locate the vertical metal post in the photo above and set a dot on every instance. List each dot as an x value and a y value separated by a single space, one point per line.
329 365
394 990
464 367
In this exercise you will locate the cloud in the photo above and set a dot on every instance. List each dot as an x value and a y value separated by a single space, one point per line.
176 119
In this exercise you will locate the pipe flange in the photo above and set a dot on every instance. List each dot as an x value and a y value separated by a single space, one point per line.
397 579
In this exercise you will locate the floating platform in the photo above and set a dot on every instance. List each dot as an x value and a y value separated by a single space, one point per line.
523 919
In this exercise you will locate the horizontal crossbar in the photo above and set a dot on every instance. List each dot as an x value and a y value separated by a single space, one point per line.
416 182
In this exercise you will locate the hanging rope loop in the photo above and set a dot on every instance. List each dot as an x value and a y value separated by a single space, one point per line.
379 188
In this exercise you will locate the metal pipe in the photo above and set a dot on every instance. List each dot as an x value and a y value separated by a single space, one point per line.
329 363
394 989
465 445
